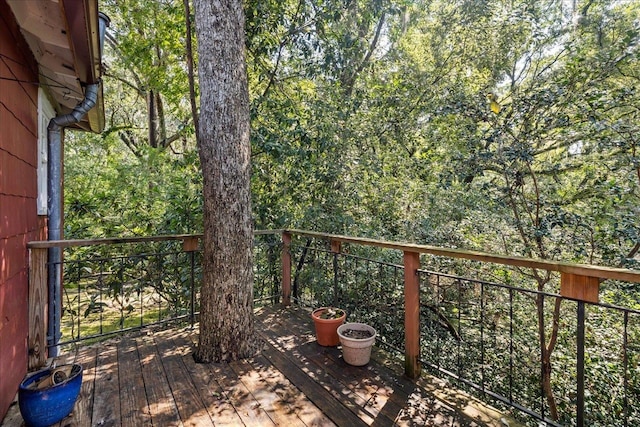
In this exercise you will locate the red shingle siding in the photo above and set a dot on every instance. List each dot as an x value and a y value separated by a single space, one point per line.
19 222
16 215
17 178
13 252
14 321
15 138
18 107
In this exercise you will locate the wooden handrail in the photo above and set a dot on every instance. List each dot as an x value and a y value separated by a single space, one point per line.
570 271
43 244
563 267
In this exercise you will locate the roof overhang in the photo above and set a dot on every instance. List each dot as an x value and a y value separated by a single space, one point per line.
64 37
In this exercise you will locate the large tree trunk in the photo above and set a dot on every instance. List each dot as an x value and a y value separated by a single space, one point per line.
226 311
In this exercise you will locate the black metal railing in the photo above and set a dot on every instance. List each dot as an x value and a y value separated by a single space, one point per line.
484 324
116 288
113 288
371 291
484 336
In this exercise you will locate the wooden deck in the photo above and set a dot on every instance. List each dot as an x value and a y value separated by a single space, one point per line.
150 379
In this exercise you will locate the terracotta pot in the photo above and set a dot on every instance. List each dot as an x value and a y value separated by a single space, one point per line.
327 328
356 350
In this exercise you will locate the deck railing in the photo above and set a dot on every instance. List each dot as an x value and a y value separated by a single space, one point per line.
111 286
478 320
484 323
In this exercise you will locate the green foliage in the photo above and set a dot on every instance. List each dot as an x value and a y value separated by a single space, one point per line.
504 126
110 193
375 119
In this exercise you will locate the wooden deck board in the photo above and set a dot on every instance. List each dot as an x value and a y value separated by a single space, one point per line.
106 400
134 407
307 412
212 394
250 411
163 411
312 358
276 408
190 406
151 379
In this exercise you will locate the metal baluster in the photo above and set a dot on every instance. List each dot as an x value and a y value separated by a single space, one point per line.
580 367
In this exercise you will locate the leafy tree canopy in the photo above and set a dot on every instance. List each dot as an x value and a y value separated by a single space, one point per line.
503 126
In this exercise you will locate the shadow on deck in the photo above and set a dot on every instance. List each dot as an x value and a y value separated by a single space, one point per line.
150 378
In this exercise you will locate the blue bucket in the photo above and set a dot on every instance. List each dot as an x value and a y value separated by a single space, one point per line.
43 405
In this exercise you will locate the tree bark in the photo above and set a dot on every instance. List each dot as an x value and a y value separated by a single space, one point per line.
152 119
226 310
545 379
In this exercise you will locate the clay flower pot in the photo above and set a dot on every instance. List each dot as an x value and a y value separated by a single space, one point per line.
327 320
357 340
47 396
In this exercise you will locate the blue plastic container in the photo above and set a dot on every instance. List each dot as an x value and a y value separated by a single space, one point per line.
51 404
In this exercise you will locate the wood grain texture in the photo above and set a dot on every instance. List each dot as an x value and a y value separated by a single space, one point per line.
151 378
37 308
214 397
134 407
187 399
163 411
581 288
106 400
412 314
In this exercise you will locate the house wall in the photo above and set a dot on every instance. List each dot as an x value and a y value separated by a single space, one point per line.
19 222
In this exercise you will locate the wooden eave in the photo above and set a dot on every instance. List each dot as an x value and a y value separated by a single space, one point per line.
63 36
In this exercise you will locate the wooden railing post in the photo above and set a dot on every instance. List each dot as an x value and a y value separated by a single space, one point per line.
411 314
37 308
581 288
286 268
336 247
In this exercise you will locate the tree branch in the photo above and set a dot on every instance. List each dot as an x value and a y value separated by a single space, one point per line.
190 69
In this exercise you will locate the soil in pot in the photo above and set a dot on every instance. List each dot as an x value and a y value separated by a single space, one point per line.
357 333
327 313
